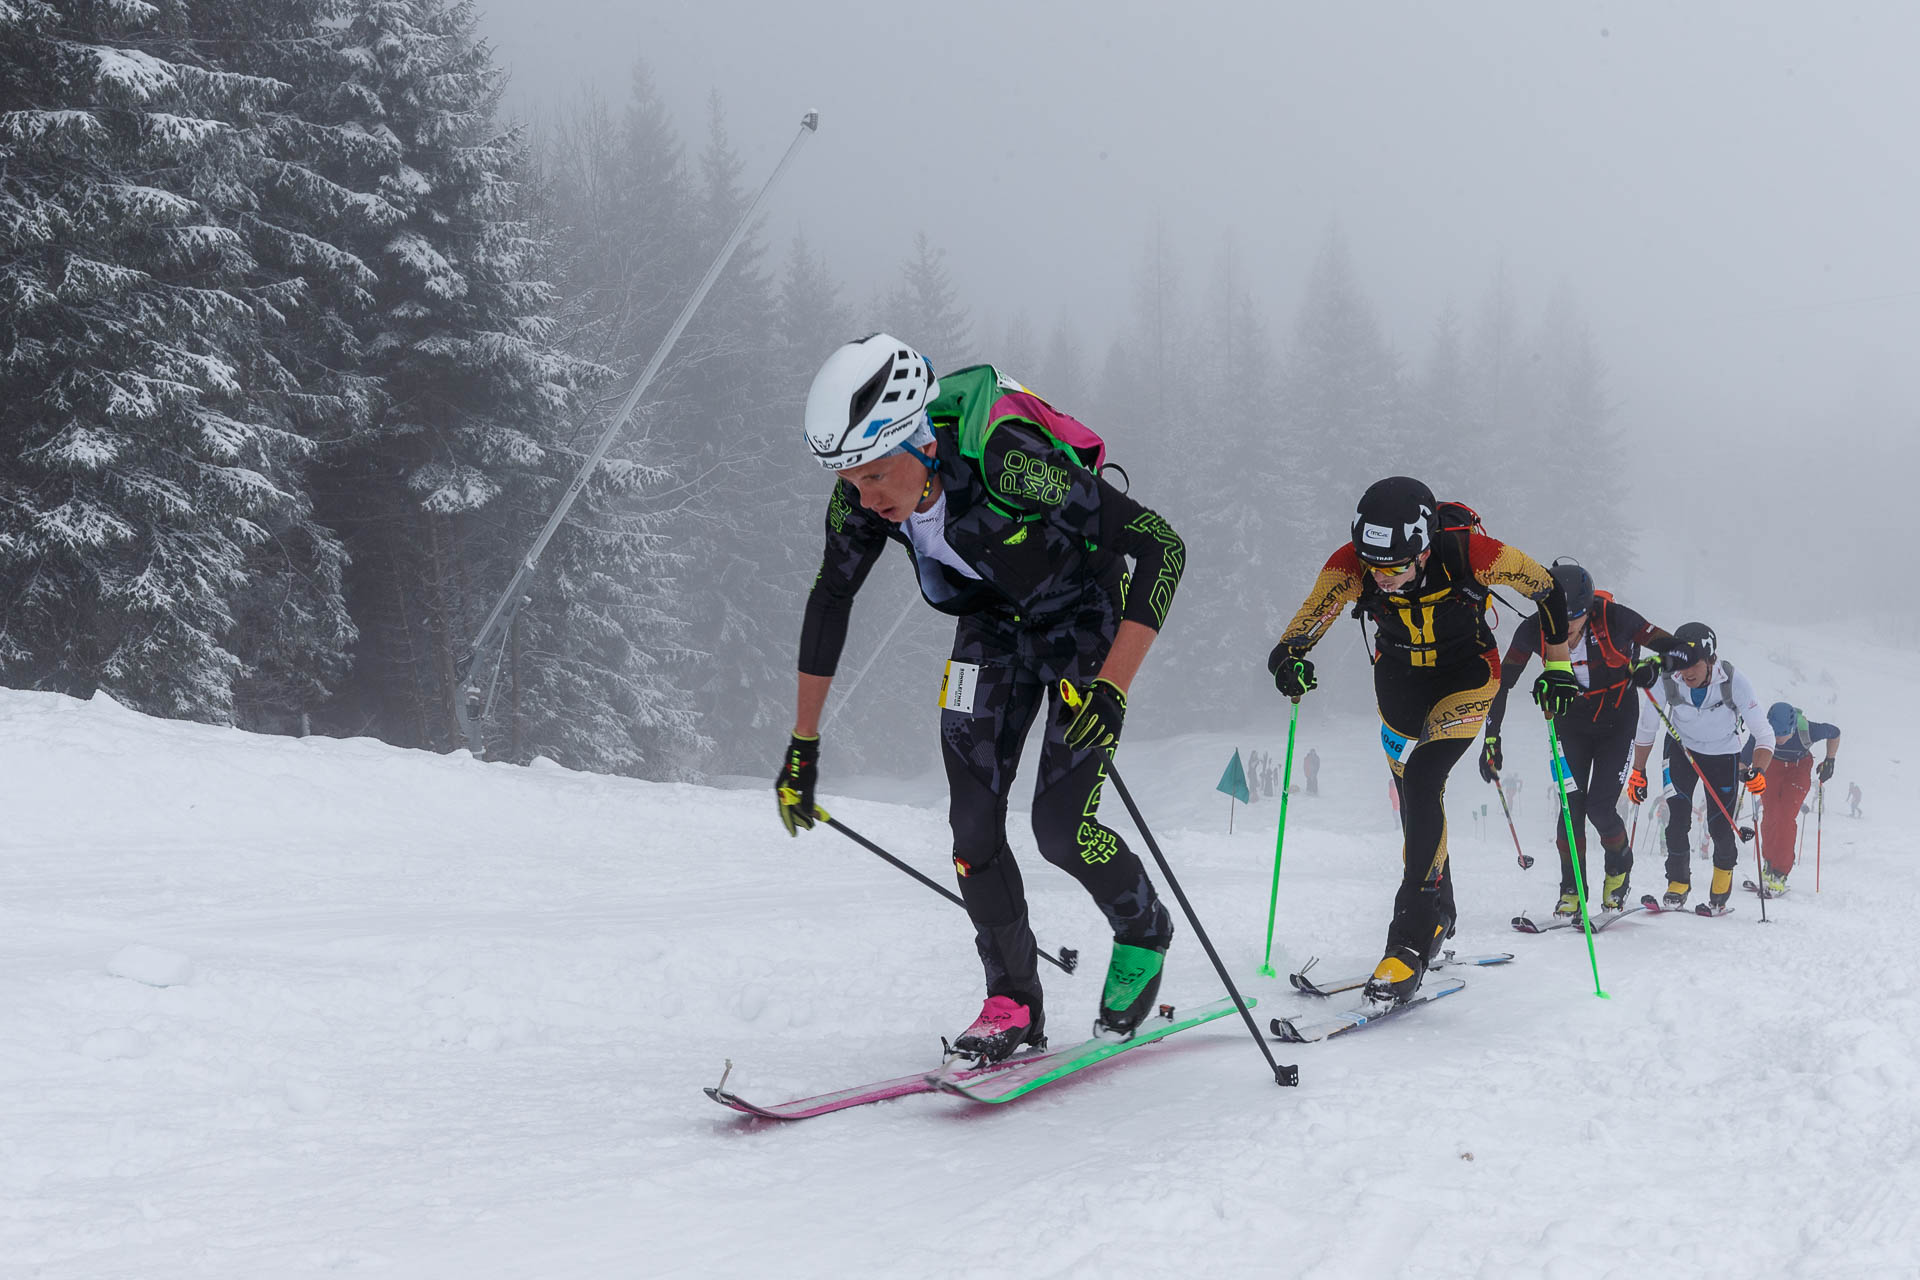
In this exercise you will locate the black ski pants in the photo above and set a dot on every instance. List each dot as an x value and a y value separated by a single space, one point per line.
1020 666
1723 775
1597 752
1428 718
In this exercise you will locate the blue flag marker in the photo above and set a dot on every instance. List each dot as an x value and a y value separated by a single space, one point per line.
1234 780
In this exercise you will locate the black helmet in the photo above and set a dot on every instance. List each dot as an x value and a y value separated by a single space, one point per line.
1700 643
1394 521
1576 584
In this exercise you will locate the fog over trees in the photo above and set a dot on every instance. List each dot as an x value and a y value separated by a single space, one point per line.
307 333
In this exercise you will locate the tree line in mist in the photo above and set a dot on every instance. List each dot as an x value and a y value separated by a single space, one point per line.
305 341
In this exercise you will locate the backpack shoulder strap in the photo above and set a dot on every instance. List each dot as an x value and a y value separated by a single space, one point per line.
1726 697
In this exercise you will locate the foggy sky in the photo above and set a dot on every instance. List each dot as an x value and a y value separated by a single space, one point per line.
1730 190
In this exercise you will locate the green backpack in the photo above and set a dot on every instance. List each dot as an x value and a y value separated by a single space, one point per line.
975 401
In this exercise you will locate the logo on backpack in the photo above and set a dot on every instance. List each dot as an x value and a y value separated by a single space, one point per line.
1034 479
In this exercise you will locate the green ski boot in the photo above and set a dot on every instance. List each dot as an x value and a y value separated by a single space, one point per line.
1133 980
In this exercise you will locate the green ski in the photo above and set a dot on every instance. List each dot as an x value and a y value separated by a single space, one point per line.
1015 1082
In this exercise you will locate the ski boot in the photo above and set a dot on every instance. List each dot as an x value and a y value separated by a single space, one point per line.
1568 907
1614 896
1003 1026
1675 898
1722 889
1133 980
1393 982
1773 882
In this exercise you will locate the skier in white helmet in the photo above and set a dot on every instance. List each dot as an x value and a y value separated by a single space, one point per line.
998 501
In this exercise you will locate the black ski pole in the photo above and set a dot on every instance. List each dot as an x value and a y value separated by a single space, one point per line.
1068 959
1526 863
1281 1075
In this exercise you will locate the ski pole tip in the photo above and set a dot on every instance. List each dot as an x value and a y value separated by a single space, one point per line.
810 122
1286 1077
1266 971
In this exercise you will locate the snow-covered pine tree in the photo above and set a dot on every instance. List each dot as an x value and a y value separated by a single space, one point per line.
1583 474
1241 520
150 467
753 541
468 451
1062 376
1340 392
1443 427
294 632
1500 446
924 310
811 320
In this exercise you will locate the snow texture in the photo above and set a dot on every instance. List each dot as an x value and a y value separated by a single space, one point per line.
154 966
453 1019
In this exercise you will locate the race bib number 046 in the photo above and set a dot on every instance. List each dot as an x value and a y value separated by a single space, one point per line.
957 687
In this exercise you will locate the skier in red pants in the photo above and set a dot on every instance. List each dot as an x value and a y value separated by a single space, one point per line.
1788 779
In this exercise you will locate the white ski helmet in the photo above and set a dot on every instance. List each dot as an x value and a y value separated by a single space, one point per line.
868 398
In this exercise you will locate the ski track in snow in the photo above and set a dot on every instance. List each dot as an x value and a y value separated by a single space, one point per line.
428 1017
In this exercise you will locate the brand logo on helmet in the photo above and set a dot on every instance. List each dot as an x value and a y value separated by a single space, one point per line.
1375 535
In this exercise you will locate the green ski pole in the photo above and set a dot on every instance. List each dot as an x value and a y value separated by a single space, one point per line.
1280 836
1562 775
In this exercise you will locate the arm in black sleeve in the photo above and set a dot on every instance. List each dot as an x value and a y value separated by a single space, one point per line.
1029 474
1520 651
1159 554
1627 622
855 539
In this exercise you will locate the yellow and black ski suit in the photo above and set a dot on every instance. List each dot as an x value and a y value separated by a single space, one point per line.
1436 669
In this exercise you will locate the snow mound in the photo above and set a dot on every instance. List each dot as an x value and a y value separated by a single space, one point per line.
154 966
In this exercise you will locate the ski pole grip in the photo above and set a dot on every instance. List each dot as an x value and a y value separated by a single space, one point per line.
1069 694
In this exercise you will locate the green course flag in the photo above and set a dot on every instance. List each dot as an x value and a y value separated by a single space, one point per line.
1234 780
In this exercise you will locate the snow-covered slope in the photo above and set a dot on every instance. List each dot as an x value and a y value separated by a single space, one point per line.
427 1017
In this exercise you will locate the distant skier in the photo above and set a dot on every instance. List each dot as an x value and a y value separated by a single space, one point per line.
1311 767
1853 799
1422 573
1789 778
1604 639
1713 708
1008 528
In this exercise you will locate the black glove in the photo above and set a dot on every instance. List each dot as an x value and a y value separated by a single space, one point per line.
793 785
1490 758
1645 673
1682 656
1825 769
1292 671
1093 714
1556 690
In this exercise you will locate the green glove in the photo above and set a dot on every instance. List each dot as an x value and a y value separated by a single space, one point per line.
1093 714
793 785
1556 689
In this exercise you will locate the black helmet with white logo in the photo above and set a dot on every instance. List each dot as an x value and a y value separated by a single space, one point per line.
1394 521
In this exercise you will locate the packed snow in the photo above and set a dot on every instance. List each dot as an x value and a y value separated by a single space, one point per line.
281 1007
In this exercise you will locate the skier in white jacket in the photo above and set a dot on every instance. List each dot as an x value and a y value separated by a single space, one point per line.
1714 710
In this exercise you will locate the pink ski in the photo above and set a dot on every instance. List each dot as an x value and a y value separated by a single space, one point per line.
861 1094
